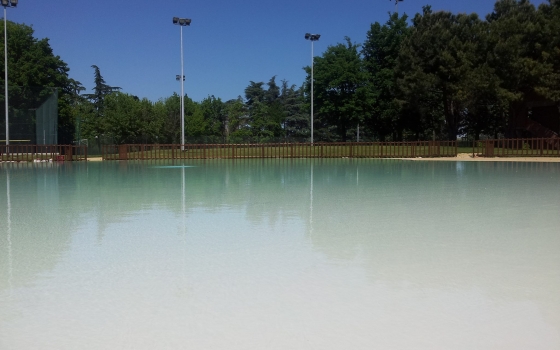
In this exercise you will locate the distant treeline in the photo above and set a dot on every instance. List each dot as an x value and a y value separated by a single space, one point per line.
441 75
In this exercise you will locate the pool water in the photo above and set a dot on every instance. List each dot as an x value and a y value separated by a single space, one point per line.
280 254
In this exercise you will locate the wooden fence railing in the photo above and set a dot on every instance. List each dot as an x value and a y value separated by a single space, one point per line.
29 153
542 147
549 147
283 150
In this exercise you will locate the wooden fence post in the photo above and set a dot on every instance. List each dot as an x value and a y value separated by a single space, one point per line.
489 148
123 155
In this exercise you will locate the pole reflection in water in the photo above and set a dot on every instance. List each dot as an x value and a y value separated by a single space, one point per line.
311 202
9 231
183 192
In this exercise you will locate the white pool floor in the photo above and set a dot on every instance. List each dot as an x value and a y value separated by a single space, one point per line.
290 254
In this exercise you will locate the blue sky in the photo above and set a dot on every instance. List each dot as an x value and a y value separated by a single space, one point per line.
229 43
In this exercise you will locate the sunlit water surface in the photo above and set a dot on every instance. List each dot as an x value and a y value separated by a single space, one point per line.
332 254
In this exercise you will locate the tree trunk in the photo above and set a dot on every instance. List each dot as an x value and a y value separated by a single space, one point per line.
450 117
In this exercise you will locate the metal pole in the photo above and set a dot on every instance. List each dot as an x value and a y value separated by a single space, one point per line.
182 97
6 76
311 92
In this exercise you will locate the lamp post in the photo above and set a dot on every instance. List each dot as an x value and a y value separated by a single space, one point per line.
397 5
182 22
6 4
312 38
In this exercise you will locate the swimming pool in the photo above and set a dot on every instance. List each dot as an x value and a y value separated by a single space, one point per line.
280 254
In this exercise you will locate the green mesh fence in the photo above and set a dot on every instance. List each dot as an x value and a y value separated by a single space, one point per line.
46 121
33 116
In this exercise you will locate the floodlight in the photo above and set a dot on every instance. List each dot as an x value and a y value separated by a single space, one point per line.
182 22
312 38
6 4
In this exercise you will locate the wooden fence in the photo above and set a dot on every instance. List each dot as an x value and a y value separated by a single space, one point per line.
425 149
542 147
29 153
549 147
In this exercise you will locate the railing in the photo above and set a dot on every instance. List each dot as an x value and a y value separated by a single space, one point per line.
549 147
541 147
28 153
424 149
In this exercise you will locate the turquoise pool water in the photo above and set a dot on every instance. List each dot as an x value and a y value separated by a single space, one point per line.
280 254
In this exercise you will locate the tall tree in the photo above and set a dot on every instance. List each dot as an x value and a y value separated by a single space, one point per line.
381 51
236 119
435 62
100 90
34 72
214 112
296 118
340 80
525 56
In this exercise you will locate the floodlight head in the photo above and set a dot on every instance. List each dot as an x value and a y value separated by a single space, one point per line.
312 37
184 21
177 77
14 3
5 3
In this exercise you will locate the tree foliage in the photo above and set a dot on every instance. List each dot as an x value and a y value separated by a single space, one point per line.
436 75
339 86
33 72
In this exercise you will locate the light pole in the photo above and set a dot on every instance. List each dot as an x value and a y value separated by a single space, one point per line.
6 4
182 22
397 5
312 38
178 78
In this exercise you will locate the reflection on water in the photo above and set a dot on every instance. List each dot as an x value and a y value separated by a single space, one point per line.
9 231
280 254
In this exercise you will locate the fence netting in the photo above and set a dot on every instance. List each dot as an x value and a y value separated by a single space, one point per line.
32 114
